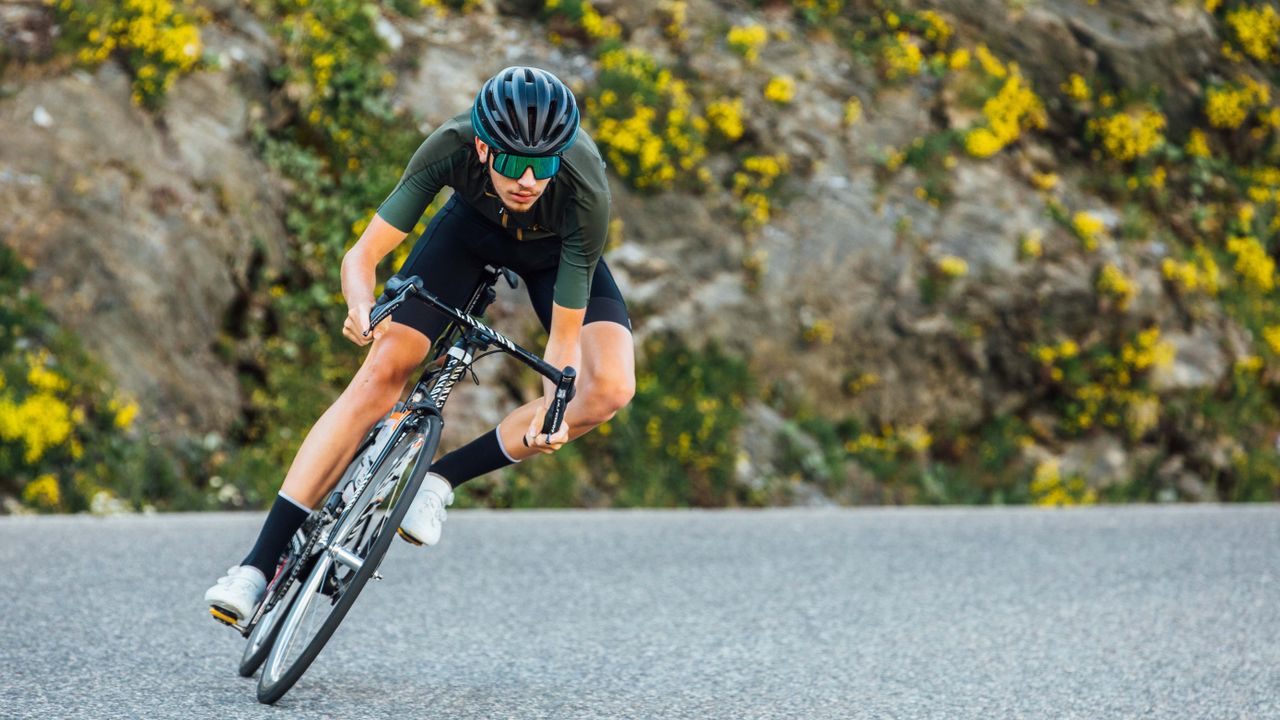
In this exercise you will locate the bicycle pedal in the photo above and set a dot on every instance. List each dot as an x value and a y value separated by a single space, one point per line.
405 536
224 617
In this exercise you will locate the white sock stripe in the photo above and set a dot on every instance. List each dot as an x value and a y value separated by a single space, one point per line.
297 504
503 448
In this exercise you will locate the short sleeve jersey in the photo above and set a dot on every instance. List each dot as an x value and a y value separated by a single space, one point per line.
573 208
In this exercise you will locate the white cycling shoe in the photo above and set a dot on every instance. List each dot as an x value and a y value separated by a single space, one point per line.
425 519
236 595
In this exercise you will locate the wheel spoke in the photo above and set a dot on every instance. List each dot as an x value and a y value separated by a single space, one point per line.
293 634
345 558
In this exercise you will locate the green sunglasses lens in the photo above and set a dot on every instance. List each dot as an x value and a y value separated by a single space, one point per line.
513 166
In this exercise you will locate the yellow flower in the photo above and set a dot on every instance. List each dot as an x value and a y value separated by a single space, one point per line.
1113 282
598 26
1087 228
1013 109
1253 264
125 416
852 111
1257 29
1198 274
990 63
1129 136
982 143
43 379
1245 214
1076 88
781 89
747 41
1044 181
43 493
953 267
41 421
820 332
1197 144
1032 244
894 159
1045 477
726 117
902 58
1048 489
766 167
677 18
959 59
1229 106
1248 364
1271 334
1046 354
938 32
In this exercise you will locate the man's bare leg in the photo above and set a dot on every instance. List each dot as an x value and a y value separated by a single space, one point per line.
332 441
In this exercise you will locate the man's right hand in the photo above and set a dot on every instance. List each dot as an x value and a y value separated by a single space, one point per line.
357 323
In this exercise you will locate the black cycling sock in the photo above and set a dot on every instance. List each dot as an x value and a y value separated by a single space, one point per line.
480 456
283 521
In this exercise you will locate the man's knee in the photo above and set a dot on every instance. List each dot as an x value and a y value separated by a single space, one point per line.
392 362
608 395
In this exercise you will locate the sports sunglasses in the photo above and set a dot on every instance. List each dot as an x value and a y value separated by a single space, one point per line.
513 166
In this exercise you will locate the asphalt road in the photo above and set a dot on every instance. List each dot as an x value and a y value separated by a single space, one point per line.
953 613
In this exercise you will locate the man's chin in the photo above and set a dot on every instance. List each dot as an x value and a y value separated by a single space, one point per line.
518 206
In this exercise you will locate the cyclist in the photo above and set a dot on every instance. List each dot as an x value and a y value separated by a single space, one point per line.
529 194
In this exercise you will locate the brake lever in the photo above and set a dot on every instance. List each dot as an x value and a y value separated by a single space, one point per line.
564 393
394 294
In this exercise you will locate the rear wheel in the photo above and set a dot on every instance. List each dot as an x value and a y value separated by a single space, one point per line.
347 557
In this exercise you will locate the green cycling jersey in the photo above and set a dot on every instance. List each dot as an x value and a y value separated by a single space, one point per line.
574 207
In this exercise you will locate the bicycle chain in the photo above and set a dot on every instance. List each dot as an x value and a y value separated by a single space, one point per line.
302 556
314 537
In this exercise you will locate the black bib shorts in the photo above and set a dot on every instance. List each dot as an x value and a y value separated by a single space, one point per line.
451 255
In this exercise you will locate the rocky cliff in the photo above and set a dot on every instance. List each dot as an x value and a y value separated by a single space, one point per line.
968 251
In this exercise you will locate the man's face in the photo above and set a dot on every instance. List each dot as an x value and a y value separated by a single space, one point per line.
516 195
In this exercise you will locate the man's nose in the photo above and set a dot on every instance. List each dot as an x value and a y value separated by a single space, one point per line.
527 180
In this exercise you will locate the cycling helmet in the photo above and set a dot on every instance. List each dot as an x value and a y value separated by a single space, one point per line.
525 111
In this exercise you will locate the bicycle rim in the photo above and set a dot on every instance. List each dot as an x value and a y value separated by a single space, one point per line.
264 633
355 548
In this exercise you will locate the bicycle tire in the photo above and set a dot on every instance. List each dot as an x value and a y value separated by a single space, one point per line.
263 636
264 633
275 682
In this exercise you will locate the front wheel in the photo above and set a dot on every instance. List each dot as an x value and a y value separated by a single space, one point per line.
349 555
280 596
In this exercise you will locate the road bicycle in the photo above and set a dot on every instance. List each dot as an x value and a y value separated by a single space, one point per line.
340 546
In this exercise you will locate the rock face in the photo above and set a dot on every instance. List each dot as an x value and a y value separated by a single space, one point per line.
144 230
27 32
141 230
1136 45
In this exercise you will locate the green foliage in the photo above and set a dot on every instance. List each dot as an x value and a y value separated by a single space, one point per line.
343 153
154 39
676 444
813 13
68 441
643 118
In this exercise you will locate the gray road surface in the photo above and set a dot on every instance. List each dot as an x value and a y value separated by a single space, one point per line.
954 613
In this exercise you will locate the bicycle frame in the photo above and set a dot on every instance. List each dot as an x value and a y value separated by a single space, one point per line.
477 337
462 340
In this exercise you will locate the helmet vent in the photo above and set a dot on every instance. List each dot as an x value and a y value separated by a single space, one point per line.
529 111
